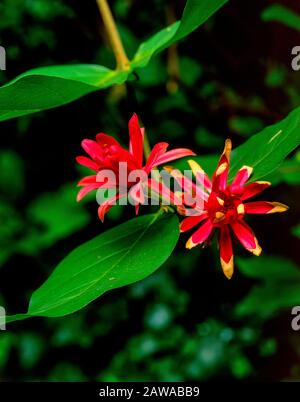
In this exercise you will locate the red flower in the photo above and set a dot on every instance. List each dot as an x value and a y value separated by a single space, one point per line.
225 209
106 154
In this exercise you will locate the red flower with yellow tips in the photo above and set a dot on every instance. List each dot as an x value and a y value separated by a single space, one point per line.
106 154
225 206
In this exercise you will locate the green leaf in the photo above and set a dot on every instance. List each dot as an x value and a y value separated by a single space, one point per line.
196 13
280 13
266 151
279 288
118 257
48 87
288 172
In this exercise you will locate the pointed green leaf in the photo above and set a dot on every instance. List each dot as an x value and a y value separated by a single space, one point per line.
49 87
266 151
195 14
118 257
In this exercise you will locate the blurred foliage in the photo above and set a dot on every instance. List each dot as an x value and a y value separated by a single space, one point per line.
278 12
278 277
296 230
185 322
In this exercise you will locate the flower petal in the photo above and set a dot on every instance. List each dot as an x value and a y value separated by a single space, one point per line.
219 180
226 252
173 155
112 153
93 149
164 191
136 140
105 140
86 189
158 150
192 193
200 235
87 180
200 175
191 221
246 236
240 179
106 205
87 162
136 193
254 188
264 207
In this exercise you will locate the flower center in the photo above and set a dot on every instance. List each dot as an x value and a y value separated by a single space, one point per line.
224 207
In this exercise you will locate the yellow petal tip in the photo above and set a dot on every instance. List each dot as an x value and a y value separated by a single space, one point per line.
248 168
190 244
221 168
267 183
278 207
220 201
227 148
240 209
257 250
195 167
227 268
168 169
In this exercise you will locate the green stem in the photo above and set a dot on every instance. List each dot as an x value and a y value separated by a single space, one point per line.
114 37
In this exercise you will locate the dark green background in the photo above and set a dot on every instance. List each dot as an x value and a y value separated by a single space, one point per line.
231 78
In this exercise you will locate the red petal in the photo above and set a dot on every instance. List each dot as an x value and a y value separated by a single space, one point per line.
87 180
158 150
191 221
106 140
246 236
240 179
137 194
86 189
200 235
226 253
173 155
87 162
219 180
191 191
122 155
93 149
161 189
201 176
136 140
254 188
106 205
264 207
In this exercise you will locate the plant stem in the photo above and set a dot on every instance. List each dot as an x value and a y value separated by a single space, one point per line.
172 60
114 37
